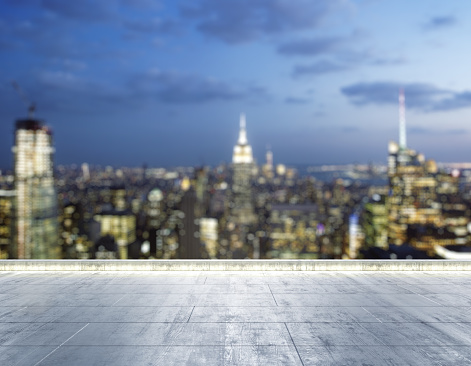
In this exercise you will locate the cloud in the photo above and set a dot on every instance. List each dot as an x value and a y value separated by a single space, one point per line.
419 96
297 100
155 25
320 67
181 88
311 47
72 92
431 131
455 101
59 79
440 22
21 2
347 61
142 4
88 10
382 61
337 54
59 91
332 45
237 21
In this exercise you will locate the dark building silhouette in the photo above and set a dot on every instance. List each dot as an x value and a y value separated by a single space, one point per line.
189 244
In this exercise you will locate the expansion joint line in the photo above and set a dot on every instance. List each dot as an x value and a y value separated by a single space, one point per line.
122 297
60 345
294 344
369 312
191 314
272 295
425 297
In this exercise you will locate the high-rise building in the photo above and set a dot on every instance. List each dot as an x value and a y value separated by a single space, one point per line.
412 186
6 212
243 165
121 225
374 222
422 201
189 243
155 216
201 186
35 204
291 231
267 169
209 235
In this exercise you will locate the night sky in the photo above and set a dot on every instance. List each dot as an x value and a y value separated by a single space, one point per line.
128 82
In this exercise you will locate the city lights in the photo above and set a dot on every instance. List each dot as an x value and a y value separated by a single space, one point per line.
411 208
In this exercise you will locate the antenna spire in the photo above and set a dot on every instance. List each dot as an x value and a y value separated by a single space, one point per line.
242 132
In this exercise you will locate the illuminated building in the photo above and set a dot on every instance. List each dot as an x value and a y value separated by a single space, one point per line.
85 172
121 225
185 184
423 209
243 165
413 198
155 215
74 242
118 197
292 231
6 212
412 187
35 213
375 222
202 198
267 169
209 235
355 236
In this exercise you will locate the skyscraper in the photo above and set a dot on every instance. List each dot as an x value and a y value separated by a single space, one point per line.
35 212
419 201
243 164
267 169
189 246
6 212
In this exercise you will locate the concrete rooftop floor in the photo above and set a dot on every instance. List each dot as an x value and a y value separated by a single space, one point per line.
235 318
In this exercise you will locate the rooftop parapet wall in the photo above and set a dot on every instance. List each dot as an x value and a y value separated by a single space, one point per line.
235 265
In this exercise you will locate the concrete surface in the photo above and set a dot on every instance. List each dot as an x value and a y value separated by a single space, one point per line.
235 318
235 265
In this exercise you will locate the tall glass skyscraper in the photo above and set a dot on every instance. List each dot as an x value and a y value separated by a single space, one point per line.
35 204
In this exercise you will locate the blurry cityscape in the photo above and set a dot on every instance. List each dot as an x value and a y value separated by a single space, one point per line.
409 207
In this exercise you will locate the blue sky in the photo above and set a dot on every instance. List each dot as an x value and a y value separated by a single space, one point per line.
127 82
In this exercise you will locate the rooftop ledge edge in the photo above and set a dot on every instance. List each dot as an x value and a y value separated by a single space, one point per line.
234 265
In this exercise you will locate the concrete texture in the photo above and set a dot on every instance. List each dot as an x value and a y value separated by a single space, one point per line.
235 318
235 265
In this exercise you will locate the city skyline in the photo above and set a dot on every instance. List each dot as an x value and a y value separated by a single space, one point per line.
164 83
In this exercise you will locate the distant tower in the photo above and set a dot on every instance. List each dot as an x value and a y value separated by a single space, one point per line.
398 153
267 169
243 164
86 172
270 159
36 218
402 121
